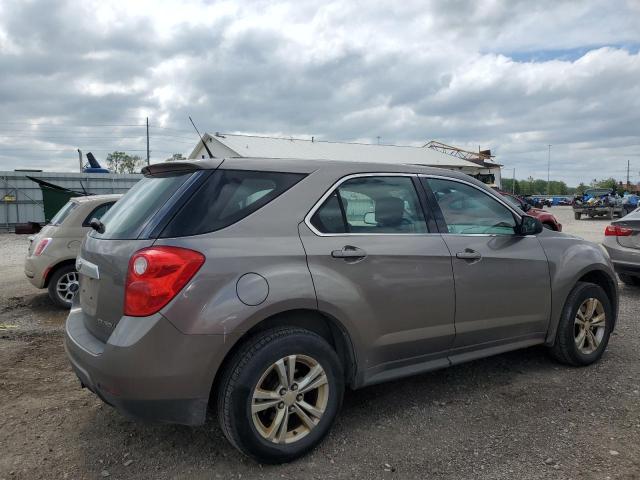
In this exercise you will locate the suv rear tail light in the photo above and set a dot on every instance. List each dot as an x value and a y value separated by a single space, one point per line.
617 231
156 275
42 244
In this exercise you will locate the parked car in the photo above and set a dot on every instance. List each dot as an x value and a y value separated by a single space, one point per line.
622 242
50 260
547 219
264 287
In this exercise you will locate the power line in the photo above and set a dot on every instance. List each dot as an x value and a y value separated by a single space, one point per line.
35 124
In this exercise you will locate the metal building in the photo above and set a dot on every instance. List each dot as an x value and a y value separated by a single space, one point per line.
433 154
21 198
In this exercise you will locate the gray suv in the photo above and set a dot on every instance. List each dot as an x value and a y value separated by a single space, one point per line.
265 287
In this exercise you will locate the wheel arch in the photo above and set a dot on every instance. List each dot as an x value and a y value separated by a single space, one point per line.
56 267
598 277
316 321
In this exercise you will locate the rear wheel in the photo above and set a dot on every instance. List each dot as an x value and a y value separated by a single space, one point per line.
629 280
280 394
585 326
63 285
577 215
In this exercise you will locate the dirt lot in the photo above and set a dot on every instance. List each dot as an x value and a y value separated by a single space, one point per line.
517 415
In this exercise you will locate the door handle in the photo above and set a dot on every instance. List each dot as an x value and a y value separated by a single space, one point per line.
469 254
349 252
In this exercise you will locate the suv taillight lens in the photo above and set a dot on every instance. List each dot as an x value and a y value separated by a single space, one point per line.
42 244
617 231
156 275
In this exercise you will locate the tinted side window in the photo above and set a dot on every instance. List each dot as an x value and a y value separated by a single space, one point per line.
97 213
467 210
227 197
372 205
328 218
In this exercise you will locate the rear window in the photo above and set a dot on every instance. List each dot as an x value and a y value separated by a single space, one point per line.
227 197
128 217
63 213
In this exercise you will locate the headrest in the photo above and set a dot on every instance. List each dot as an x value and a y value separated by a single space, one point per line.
389 211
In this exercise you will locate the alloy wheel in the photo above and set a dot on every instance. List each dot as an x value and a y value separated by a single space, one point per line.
67 286
589 325
289 399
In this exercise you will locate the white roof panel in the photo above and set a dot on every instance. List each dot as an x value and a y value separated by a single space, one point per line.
270 147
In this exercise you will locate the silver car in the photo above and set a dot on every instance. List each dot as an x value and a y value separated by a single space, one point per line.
622 241
263 288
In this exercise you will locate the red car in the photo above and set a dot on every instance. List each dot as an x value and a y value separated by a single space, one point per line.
547 218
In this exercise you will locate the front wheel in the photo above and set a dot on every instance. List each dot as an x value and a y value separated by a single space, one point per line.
280 394
585 326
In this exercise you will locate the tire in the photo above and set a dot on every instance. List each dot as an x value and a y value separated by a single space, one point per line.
253 365
629 280
577 215
62 281
565 348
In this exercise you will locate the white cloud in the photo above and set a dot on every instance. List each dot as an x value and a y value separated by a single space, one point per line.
510 76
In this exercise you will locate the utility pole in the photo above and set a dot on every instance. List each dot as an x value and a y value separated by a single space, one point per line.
80 159
628 164
549 171
148 141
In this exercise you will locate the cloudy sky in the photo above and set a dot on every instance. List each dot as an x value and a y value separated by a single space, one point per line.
513 76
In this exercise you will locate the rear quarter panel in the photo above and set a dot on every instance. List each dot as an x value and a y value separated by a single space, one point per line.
266 243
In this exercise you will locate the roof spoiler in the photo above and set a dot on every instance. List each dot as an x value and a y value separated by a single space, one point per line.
170 167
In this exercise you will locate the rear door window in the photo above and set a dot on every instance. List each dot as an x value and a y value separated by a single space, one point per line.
372 204
227 197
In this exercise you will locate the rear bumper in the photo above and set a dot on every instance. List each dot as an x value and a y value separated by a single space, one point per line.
623 268
147 369
625 260
35 269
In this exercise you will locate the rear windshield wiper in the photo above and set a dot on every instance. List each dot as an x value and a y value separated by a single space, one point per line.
97 225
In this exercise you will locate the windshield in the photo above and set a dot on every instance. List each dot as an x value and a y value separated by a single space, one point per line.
512 201
128 217
63 213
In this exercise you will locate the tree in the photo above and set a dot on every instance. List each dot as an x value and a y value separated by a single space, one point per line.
175 158
121 162
580 189
606 183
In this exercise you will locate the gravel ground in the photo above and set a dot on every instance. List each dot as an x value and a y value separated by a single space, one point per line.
517 415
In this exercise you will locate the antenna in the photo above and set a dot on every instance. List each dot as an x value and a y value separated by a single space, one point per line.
201 139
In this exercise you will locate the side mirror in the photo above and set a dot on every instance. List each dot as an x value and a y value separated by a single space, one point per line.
370 218
529 226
